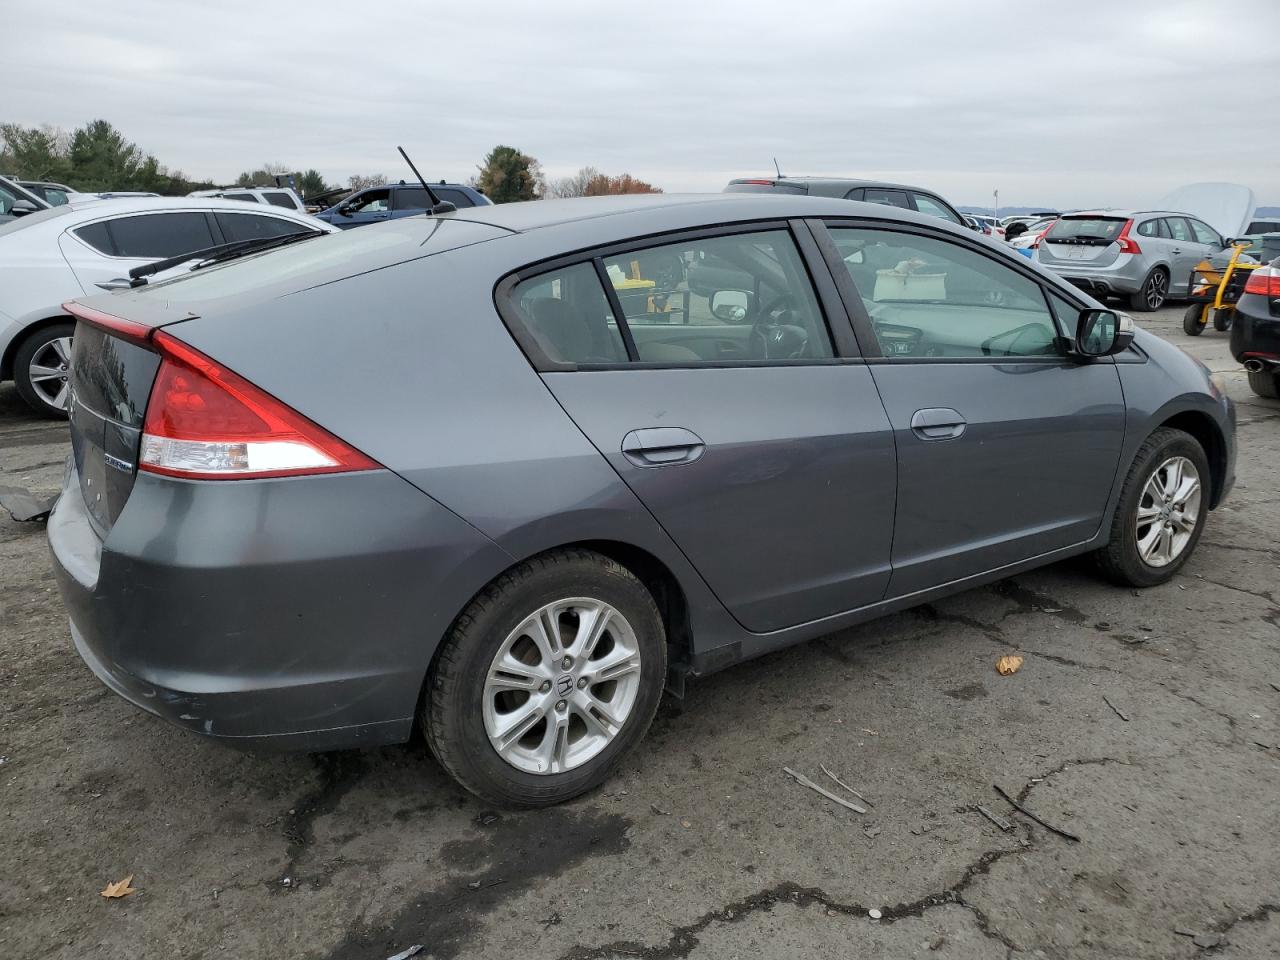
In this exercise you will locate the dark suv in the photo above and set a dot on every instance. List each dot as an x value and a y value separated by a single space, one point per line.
870 191
394 200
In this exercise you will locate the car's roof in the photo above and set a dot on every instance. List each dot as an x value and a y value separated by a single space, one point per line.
847 182
710 208
1118 213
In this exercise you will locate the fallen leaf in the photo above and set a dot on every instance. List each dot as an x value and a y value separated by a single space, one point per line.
120 888
1008 665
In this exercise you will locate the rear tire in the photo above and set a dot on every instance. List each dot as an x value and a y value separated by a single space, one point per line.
40 369
1134 554
1223 318
466 720
1265 383
1153 292
1193 320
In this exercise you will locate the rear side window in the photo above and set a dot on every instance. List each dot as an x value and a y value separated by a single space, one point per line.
568 316
1264 226
929 297
411 198
1085 229
241 196
277 199
890 198
1178 228
456 197
158 235
927 204
1150 229
252 226
96 236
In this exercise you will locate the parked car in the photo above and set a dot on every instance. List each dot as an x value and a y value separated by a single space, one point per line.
17 201
1028 239
1254 231
870 191
990 226
52 256
54 194
395 200
1145 256
1255 330
557 501
284 197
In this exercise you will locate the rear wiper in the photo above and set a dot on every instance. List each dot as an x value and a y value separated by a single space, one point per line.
219 254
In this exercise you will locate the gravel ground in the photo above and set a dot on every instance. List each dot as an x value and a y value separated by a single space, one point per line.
700 847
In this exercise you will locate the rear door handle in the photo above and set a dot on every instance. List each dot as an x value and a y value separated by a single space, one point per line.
937 423
660 446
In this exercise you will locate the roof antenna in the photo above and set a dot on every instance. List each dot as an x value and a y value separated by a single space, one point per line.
437 205
777 168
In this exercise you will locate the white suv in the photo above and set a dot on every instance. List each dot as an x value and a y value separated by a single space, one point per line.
55 255
282 197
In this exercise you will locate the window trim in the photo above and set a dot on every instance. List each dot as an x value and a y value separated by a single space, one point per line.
214 230
862 325
831 309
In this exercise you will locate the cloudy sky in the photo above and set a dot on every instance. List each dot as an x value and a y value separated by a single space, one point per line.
1063 102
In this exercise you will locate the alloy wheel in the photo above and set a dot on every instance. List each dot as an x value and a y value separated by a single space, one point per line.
48 372
561 686
1168 511
1157 289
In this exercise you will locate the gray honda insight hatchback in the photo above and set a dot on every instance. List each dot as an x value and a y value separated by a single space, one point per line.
507 472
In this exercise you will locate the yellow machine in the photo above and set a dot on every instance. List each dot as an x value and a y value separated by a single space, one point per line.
1214 291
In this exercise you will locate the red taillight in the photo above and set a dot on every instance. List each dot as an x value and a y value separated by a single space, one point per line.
1035 244
204 422
1264 282
1127 243
129 330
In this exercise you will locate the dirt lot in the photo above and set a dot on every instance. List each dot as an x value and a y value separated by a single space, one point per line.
700 847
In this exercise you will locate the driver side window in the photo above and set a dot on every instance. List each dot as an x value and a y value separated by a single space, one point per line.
372 201
929 297
744 297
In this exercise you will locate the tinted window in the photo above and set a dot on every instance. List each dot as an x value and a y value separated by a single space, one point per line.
1149 229
251 226
1099 229
1205 233
241 196
745 297
456 197
929 297
277 199
927 204
1178 228
1264 226
412 198
158 235
96 236
855 194
891 198
567 314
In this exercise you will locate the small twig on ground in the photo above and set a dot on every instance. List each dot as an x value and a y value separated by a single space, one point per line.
823 768
1119 712
1027 813
804 781
999 821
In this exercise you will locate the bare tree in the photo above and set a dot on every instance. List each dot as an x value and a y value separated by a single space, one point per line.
573 186
358 181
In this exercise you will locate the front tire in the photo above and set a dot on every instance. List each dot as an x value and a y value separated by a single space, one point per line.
41 368
547 680
1162 510
1265 383
1153 292
1193 320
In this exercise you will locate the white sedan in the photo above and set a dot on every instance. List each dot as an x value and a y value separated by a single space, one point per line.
77 249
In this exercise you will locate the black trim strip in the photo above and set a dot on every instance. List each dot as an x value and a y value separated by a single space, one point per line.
615 305
856 311
839 327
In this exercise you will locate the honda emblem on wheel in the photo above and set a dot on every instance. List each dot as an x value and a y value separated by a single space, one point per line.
564 685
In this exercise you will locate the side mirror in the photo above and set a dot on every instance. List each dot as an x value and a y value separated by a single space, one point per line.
344 210
1102 333
22 207
731 306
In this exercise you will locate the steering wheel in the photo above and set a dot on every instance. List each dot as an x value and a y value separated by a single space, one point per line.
776 335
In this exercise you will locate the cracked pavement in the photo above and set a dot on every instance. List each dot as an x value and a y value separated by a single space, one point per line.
700 847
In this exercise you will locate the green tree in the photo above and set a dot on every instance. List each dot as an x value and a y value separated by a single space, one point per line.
311 183
34 153
507 175
102 159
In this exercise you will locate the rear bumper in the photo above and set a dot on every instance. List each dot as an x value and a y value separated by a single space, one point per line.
1118 278
296 614
1254 331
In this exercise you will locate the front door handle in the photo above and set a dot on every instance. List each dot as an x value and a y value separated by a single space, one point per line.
660 446
937 423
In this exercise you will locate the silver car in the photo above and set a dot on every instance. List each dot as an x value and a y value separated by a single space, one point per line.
1145 256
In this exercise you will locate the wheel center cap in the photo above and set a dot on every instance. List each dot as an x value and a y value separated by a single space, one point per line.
564 685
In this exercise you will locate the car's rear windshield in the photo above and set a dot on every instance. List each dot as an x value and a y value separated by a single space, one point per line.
1264 226
1105 229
